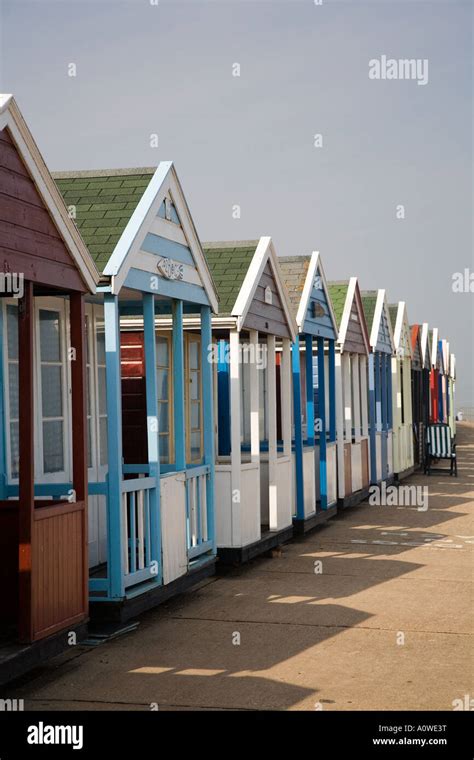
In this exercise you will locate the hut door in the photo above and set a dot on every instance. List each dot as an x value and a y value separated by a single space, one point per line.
193 398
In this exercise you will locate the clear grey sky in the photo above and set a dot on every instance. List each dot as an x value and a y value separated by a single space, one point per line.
167 69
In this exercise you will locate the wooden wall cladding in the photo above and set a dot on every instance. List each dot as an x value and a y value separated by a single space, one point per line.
347 469
364 445
29 240
58 567
265 317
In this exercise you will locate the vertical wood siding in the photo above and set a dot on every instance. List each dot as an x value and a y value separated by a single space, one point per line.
267 318
354 342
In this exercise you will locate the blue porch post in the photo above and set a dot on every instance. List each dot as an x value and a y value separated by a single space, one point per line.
372 420
295 362
323 477
115 549
223 398
309 390
383 374
208 415
389 393
152 429
332 390
178 387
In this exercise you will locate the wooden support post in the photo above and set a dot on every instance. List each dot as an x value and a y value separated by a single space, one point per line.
356 396
27 458
153 437
254 397
178 387
323 478
332 390
295 356
364 414
235 433
384 392
116 549
79 422
285 385
208 418
372 420
272 435
339 371
309 390
348 412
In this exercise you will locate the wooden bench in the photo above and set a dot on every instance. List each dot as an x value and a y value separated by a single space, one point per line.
440 444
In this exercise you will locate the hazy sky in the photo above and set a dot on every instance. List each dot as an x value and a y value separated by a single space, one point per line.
166 69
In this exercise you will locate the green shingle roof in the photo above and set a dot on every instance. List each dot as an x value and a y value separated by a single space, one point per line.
393 311
369 301
338 293
104 202
294 270
229 263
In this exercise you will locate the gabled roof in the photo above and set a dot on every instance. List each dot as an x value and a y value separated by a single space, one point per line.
263 254
117 208
375 305
425 346
416 351
338 294
299 273
11 118
349 291
434 347
401 329
229 263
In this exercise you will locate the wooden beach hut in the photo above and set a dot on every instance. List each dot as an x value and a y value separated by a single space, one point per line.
382 350
420 390
436 367
314 391
150 414
403 463
253 334
46 273
352 415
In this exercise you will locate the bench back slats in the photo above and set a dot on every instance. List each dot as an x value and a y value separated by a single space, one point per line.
439 441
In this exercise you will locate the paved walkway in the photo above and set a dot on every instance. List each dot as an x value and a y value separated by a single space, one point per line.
387 624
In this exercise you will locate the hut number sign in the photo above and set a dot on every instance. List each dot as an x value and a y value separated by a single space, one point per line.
268 295
170 269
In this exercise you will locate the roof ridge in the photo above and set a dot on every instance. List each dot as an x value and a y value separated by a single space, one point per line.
230 244
79 174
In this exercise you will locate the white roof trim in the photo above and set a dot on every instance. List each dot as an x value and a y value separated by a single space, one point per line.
402 322
424 341
314 264
10 117
265 252
434 347
381 307
163 181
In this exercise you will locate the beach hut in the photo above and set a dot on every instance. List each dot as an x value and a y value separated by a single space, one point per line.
352 416
403 463
314 391
46 273
253 334
420 390
444 383
380 384
436 367
150 413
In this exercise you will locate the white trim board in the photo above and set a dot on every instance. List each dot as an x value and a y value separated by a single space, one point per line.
10 117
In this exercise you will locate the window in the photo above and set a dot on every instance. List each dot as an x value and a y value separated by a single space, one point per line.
51 361
165 406
193 398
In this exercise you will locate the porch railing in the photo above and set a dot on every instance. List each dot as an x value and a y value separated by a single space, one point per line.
138 562
197 511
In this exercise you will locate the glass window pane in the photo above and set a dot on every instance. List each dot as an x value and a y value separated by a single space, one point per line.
195 416
163 417
195 446
53 460
194 349
15 449
50 341
100 344
162 353
162 380
194 386
12 330
103 440
13 390
164 449
102 391
52 402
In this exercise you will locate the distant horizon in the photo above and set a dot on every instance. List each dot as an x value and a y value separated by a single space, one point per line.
276 126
